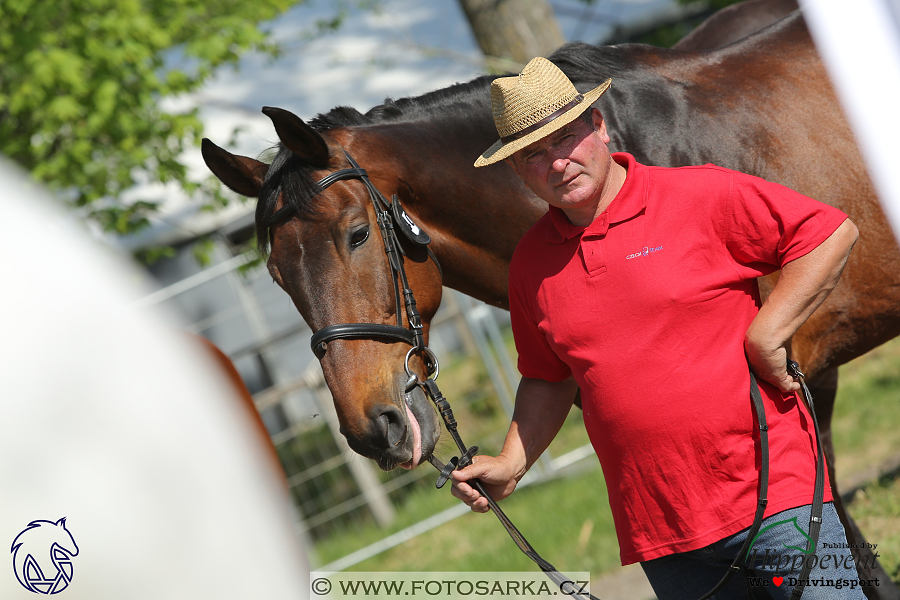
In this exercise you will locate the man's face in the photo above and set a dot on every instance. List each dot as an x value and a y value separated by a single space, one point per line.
568 168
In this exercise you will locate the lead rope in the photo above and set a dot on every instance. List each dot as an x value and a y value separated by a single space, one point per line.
815 518
565 585
467 454
815 521
762 498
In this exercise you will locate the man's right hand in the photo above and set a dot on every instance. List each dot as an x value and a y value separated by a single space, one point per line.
498 474
541 408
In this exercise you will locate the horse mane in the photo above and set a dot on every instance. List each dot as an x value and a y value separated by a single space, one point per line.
290 176
457 97
340 116
590 65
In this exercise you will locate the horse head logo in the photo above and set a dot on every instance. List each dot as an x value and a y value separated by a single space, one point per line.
42 556
809 549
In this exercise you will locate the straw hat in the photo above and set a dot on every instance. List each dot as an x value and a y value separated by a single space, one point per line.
532 105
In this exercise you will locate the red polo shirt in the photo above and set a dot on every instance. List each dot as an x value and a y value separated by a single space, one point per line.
647 308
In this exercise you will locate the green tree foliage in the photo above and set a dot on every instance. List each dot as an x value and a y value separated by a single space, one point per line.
81 84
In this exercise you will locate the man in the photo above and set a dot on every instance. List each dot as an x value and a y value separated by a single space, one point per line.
639 288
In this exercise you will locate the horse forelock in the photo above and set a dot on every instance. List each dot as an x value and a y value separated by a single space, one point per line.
290 178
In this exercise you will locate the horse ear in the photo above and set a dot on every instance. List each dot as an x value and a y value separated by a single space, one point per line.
300 138
242 174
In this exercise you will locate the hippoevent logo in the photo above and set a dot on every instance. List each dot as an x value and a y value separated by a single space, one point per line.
42 556
828 566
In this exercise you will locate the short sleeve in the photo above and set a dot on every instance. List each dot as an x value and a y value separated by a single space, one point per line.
770 225
537 360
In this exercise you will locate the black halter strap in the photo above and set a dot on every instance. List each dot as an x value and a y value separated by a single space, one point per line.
412 335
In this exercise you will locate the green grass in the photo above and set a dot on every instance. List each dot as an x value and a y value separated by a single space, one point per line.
561 520
866 422
866 428
568 519
876 510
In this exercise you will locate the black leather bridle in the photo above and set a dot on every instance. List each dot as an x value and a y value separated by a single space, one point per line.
390 217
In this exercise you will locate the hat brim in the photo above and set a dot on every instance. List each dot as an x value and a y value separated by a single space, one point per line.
498 151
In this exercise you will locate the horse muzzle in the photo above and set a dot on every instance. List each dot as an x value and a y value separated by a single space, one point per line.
394 435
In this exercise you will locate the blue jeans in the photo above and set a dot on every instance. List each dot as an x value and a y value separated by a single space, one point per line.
777 558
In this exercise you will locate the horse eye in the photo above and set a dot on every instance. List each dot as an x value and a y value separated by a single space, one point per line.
359 237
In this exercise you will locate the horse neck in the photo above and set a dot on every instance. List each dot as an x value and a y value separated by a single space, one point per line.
475 217
674 107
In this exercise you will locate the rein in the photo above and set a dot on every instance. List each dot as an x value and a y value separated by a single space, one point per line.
391 217
564 584
815 522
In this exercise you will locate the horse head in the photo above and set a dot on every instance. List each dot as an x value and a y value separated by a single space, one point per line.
65 539
328 253
44 534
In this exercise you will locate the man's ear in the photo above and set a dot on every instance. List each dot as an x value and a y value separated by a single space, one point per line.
509 160
600 125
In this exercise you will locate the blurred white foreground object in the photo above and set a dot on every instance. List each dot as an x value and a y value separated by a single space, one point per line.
113 419
860 44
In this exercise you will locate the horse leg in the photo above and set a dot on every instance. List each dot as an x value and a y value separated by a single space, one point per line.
824 389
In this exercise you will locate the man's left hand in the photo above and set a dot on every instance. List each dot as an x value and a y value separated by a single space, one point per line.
803 285
771 365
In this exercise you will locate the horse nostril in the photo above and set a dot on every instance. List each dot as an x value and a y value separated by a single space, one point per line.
391 426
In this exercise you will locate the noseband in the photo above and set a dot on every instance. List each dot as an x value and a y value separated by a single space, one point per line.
390 217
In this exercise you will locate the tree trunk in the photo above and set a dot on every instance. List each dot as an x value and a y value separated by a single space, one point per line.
514 30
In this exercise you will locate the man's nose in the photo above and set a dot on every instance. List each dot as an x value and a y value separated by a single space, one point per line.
559 164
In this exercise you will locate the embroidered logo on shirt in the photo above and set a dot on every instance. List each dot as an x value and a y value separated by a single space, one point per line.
644 252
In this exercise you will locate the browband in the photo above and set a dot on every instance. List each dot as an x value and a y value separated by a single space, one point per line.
288 209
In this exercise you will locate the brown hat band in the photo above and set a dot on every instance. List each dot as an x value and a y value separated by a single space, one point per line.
534 127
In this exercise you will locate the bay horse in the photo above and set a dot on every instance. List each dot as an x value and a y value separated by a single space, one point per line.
735 22
763 105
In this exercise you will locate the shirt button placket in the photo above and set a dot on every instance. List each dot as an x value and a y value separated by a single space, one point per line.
592 248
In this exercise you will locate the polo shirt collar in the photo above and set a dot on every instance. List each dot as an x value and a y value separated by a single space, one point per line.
630 201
